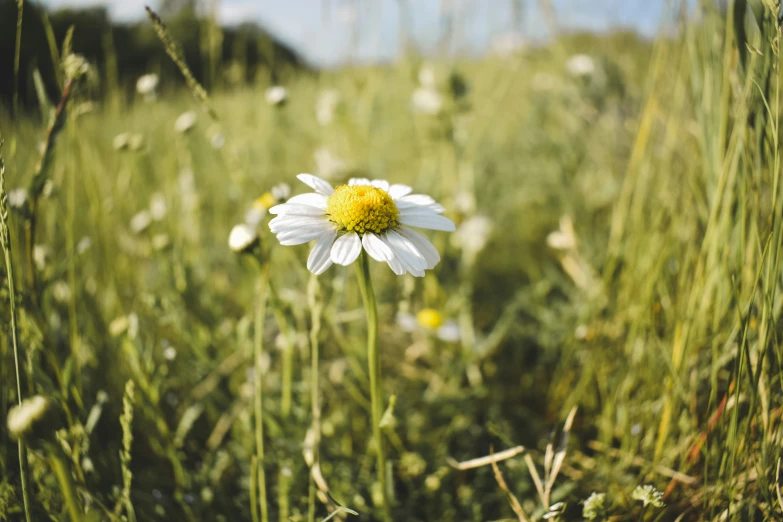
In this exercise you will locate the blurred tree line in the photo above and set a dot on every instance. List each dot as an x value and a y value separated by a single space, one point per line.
218 56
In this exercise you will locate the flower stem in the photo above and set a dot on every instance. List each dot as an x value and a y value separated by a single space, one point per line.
368 296
5 239
66 485
258 339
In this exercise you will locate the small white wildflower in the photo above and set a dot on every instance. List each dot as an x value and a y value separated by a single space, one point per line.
118 326
595 506
158 206
133 325
170 353
75 66
83 245
581 332
17 198
242 238
649 495
120 141
22 417
281 191
185 122
41 255
48 189
140 222
430 321
61 292
580 65
218 141
276 95
565 238
147 84
87 465
327 164
427 101
326 106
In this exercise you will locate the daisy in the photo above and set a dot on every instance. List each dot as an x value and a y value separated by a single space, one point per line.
147 84
364 214
430 321
276 95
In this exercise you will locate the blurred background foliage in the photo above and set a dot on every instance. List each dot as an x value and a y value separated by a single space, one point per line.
218 56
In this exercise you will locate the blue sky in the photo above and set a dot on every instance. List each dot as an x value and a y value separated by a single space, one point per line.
328 32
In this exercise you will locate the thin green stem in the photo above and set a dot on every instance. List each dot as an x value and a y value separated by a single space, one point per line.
374 363
5 239
258 346
314 302
66 485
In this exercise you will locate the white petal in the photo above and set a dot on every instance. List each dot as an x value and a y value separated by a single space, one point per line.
449 332
419 200
319 185
311 198
422 244
319 259
293 221
381 184
396 266
397 191
346 249
297 209
359 181
432 221
377 249
406 253
407 206
300 236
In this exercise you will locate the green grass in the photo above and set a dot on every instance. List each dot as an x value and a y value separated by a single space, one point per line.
659 321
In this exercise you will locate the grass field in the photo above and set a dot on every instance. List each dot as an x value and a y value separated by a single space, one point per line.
610 300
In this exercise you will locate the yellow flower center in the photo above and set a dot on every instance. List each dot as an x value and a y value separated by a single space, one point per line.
361 208
266 201
429 318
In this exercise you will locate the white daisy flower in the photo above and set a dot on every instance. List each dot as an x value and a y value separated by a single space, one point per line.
21 418
146 84
431 321
281 191
276 95
120 141
580 65
158 207
242 238
259 208
185 122
565 238
141 221
364 214
17 198
427 100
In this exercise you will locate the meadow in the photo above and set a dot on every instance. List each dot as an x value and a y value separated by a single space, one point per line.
599 341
